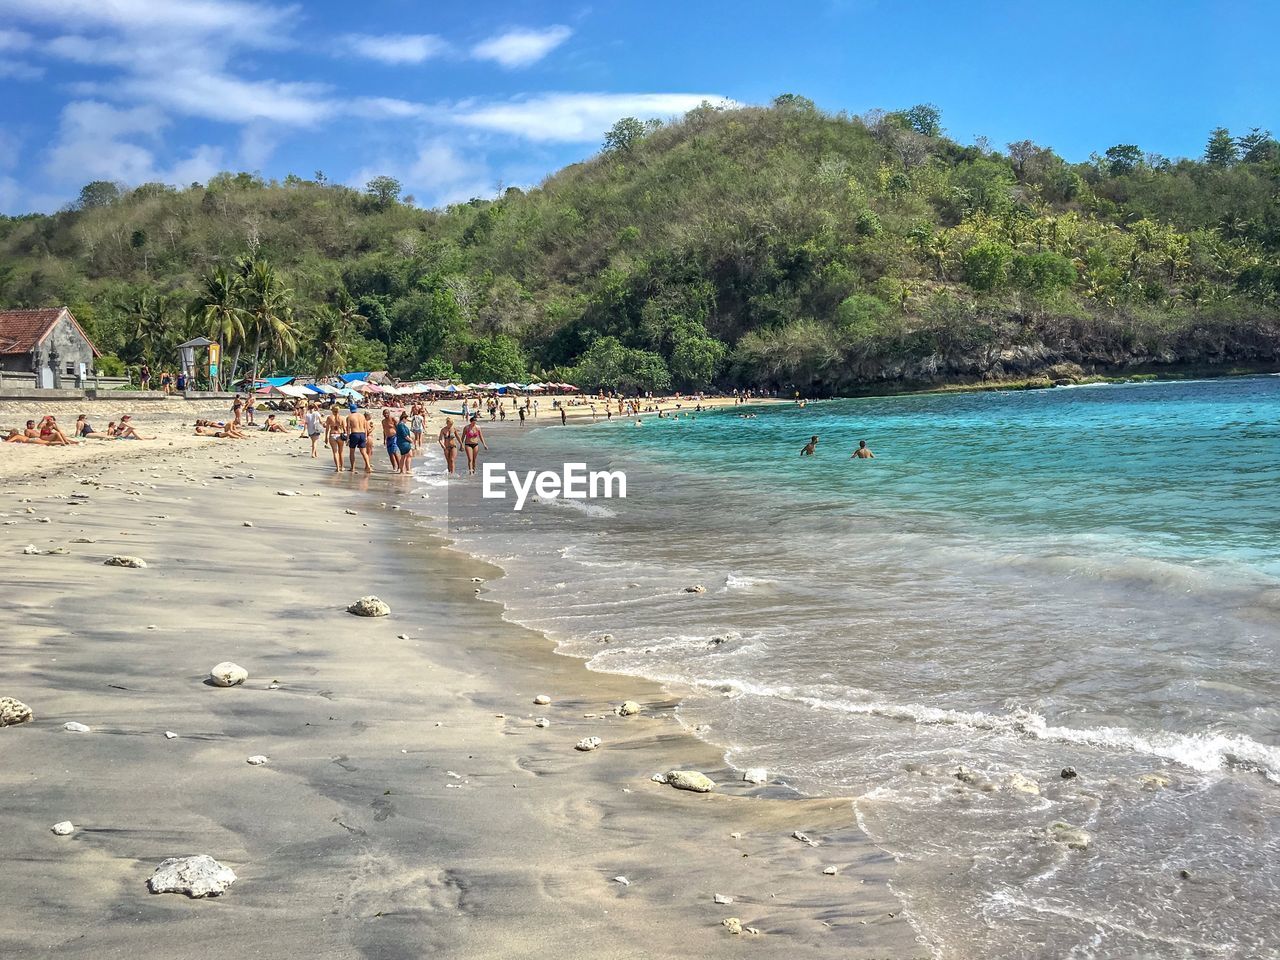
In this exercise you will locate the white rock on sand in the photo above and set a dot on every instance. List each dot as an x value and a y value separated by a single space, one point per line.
198 876
720 898
247 523
628 708
170 735
542 722
830 871
369 607
121 561
74 727
228 674
733 925
588 743
64 828
696 588
686 780
803 838
257 760
755 775
13 712
542 699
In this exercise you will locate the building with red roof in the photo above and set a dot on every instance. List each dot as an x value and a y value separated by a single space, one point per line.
47 343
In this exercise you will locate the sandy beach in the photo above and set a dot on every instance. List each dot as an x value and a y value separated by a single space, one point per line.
409 805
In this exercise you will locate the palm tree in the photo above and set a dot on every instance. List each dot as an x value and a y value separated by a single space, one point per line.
148 318
219 307
268 304
332 332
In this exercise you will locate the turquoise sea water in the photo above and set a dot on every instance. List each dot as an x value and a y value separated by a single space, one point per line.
1019 582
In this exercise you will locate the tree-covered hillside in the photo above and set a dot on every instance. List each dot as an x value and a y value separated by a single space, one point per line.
777 246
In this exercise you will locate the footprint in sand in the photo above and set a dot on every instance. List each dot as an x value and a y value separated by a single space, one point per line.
383 809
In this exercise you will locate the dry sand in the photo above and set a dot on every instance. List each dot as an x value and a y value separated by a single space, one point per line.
410 808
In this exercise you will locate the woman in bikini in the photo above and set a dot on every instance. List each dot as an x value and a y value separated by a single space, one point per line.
472 440
335 436
449 441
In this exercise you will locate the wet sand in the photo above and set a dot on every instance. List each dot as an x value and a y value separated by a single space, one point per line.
409 807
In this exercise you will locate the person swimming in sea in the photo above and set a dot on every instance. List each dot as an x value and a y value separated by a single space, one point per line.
810 448
863 452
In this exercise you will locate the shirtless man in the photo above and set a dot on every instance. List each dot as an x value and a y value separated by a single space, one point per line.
863 452
358 428
17 436
273 425
808 449
389 439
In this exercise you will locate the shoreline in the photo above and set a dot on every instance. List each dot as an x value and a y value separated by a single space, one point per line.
327 860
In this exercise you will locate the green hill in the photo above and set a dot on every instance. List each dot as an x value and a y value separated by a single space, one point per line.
778 246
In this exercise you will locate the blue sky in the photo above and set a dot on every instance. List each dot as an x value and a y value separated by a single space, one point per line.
456 100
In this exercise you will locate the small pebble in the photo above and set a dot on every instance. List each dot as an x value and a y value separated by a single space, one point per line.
75 727
542 699
170 735
64 828
830 871
722 899
256 760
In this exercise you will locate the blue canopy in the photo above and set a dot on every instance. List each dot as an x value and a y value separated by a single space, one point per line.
353 377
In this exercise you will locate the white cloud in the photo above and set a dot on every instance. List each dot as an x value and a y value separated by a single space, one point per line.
198 91
92 143
11 40
17 70
97 141
520 48
252 24
438 174
396 48
197 167
574 117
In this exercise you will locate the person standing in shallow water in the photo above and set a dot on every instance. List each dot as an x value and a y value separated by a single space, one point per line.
809 448
863 452
449 442
404 442
472 440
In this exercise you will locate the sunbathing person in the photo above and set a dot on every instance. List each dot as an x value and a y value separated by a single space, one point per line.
17 436
273 425
52 433
85 430
126 430
222 433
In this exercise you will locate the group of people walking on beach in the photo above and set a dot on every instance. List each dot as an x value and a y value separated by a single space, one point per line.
348 432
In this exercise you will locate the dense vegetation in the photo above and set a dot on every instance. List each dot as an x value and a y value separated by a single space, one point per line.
777 246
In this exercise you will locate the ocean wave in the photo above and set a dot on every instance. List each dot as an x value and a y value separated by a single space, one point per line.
590 509
735 581
1206 752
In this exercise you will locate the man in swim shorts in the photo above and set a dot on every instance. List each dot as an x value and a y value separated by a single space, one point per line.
357 439
863 452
